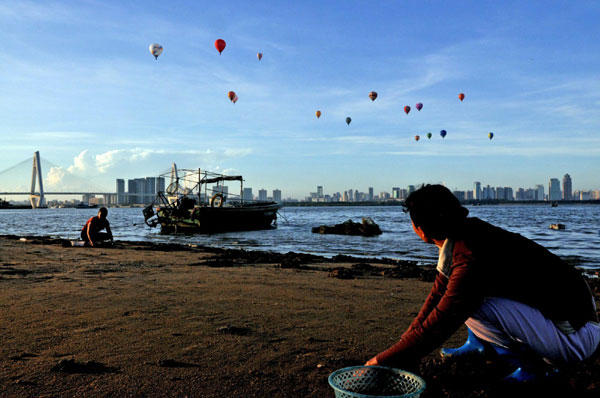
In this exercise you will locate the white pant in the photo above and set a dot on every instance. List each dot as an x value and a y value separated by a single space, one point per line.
505 322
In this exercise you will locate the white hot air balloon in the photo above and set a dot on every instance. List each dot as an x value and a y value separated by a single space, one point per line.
156 50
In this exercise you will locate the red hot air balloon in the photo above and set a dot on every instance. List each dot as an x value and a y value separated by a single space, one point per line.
419 106
220 45
406 109
373 95
461 96
417 138
231 95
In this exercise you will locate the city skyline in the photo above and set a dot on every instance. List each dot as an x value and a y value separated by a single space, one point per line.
100 106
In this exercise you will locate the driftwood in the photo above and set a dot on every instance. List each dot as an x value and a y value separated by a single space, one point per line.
367 228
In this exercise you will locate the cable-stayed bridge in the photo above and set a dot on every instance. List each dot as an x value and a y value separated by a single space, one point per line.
57 181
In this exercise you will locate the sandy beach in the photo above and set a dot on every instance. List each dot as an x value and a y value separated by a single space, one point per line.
162 320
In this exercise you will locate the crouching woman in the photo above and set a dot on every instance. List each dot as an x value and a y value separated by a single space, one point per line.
515 296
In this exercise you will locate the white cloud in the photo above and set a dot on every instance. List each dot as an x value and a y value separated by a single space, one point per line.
81 163
54 176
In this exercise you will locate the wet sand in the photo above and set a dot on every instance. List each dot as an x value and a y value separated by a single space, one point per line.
143 320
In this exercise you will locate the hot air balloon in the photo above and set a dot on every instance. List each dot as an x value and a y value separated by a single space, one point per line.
235 99
318 113
491 135
419 106
443 133
373 95
348 120
231 95
156 50
259 56
220 45
428 136
407 109
461 96
417 138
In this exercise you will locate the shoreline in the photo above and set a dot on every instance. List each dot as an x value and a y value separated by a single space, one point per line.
158 320
302 256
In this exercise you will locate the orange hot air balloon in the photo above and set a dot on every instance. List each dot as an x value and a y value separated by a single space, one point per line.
318 113
220 45
417 138
461 96
406 109
373 95
259 56
231 95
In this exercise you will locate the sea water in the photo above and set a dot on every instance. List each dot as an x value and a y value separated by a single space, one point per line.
580 241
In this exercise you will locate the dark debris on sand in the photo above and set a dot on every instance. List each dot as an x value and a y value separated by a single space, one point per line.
88 367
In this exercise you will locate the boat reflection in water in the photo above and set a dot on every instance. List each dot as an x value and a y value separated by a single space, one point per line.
197 201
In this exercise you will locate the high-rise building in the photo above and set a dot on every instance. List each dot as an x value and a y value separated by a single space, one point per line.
371 196
120 191
277 195
160 184
539 192
131 190
500 193
477 190
319 191
350 195
247 194
149 190
262 194
411 189
460 195
567 188
554 189
395 193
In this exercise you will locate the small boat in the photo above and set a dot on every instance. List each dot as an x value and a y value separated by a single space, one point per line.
557 226
196 201
86 206
554 204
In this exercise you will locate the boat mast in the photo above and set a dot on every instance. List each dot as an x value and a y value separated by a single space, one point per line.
199 186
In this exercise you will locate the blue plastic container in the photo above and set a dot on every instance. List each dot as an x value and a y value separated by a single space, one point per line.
375 382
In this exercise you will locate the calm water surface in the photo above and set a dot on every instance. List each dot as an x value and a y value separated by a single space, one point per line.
580 240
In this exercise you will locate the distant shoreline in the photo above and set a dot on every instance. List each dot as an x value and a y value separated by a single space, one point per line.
490 202
465 202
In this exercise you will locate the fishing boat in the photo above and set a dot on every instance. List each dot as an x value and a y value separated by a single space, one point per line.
198 201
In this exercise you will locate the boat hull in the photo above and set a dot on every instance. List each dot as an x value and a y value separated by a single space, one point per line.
255 216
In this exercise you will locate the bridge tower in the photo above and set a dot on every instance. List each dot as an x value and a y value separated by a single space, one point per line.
37 199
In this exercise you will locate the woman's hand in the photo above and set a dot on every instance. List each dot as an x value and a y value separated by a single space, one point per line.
372 362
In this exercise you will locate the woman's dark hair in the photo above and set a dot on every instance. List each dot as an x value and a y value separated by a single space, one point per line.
435 210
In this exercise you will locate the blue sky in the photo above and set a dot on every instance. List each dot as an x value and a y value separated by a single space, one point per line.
80 85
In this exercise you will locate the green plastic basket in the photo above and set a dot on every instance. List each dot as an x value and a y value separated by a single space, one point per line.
375 382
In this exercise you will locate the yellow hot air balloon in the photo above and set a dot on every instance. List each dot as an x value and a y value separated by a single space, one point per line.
318 113
155 49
